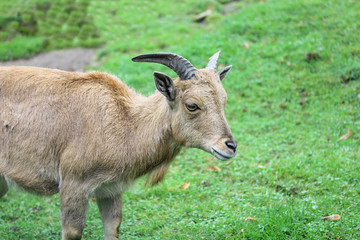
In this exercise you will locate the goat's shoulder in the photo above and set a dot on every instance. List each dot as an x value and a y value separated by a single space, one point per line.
100 82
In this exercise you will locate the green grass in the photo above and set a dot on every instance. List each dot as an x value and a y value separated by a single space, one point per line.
286 112
34 26
20 47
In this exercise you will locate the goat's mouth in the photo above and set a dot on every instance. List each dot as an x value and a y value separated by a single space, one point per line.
221 155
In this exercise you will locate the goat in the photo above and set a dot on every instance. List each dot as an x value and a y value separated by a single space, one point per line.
88 135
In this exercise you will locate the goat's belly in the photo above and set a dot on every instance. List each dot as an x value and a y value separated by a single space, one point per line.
109 190
33 185
32 176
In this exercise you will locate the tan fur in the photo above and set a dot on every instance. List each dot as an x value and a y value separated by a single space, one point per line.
88 134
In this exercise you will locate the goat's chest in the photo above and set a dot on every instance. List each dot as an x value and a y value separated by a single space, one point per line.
109 190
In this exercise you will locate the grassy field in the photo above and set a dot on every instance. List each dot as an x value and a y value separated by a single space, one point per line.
294 91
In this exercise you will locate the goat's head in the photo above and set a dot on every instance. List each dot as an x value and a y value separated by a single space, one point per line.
197 100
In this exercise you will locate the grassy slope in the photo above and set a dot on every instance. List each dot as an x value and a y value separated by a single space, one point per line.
286 113
33 26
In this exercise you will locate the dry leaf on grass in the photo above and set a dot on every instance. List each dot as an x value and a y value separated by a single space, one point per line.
250 218
347 135
185 186
229 162
214 168
50 218
335 217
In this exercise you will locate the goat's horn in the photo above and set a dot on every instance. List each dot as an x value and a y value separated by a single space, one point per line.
212 65
183 68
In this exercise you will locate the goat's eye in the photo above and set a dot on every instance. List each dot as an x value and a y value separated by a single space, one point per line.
192 107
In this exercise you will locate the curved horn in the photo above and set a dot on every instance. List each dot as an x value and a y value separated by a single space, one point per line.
183 68
212 65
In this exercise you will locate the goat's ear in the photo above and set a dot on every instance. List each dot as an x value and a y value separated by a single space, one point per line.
224 71
165 85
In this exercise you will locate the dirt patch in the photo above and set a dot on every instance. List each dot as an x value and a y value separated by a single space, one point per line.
69 59
230 7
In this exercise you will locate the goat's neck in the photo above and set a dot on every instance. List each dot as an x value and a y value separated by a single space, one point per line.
153 139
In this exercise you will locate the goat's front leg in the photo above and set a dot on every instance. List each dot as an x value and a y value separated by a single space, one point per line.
111 211
73 207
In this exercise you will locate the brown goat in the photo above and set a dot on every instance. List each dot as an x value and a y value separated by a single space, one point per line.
89 135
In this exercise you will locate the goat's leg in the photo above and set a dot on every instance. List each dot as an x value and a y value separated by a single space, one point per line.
3 186
111 211
73 207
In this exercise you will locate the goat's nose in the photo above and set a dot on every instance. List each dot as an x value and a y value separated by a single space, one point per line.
231 145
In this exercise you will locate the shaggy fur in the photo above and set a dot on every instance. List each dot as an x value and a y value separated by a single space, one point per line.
89 135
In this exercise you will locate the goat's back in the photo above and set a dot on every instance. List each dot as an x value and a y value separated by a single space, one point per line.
47 114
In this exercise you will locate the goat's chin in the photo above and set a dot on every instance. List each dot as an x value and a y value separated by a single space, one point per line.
221 155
